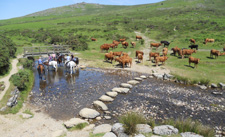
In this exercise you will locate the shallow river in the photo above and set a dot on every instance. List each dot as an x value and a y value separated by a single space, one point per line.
62 96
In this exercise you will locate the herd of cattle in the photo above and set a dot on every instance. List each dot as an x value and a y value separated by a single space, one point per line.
124 59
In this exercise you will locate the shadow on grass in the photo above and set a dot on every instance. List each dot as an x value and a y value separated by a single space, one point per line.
189 66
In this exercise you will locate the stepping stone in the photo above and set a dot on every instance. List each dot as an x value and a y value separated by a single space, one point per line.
100 104
121 90
138 79
73 122
143 76
112 94
106 98
133 82
126 85
89 113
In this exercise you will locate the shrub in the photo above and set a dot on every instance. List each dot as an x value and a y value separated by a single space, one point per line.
19 79
27 63
204 82
130 120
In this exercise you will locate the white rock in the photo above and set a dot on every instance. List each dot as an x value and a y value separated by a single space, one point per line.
106 98
26 116
107 117
138 79
100 104
89 113
126 85
58 133
121 90
143 76
112 94
98 118
190 134
165 130
139 135
109 134
143 128
104 128
89 127
133 82
73 122
117 128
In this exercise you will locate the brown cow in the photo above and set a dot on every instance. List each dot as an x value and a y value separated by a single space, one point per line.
165 51
105 47
193 60
112 46
192 41
209 40
125 44
155 45
93 39
118 53
139 52
160 59
125 54
187 52
124 60
133 44
116 43
109 56
153 54
122 40
214 52
138 37
140 57
176 50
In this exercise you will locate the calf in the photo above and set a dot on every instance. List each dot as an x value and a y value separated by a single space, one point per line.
140 58
133 44
193 60
139 52
153 54
166 43
176 50
193 46
109 56
192 41
187 52
93 39
214 52
125 44
155 45
165 51
138 37
160 59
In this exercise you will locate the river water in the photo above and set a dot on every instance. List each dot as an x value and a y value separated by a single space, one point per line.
62 96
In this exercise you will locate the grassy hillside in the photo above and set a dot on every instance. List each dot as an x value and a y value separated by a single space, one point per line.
174 20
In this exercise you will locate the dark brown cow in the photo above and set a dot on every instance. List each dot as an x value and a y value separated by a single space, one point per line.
109 56
133 44
161 59
125 44
153 54
93 39
192 41
139 52
105 47
122 40
155 45
187 52
214 52
193 60
138 37
176 50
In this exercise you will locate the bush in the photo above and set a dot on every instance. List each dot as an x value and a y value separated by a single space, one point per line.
19 79
130 120
204 82
27 63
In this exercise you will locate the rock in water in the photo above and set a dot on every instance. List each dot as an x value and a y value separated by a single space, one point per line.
89 113
133 82
165 130
121 90
112 94
143 76
104 128
101 105
125 85
106 98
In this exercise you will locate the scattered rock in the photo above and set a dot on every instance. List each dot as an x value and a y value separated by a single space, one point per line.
158 76
89 127
121 90
3 108
167 76
58 133
126 85
88 113
165 130
217 93
106 98
143 128
26 116
133 82
100 104
112 94
202 87
190 134
222 85
117 128
98 118
109 134
151 77
213 85
143 76
104 128
138 79
107 117
73 122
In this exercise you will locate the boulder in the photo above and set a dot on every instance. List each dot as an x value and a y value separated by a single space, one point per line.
73 122
213 85
106 98
165 130
133 82
88 113
143 76
58 133
167 76
121 90
110 134
126 85
122 135
190 134
89 127
104 128
100 105
139 135
26 116
143 128
217 93
112 94
117 128
222 85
